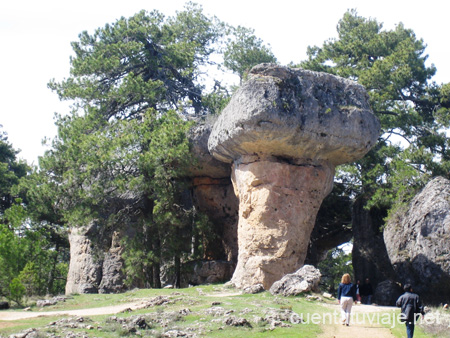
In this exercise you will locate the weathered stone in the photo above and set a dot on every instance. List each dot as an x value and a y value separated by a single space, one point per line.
206 272
417 241
84 274
112 275
295 114
278 203
252 289
234 321
206 165
305 279
387 292
285 130
215 197
46 302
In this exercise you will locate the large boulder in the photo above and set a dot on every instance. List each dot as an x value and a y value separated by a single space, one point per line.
306 279
417 241
387 292
284 131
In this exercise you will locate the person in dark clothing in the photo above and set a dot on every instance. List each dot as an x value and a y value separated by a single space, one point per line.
346 296
366 292
411 308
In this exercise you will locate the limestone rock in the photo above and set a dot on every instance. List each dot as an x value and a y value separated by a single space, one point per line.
215 197
418 244
84 274
295 113
112 275
306 279
277 207
387 292
206 165
252 289
285 130
206 272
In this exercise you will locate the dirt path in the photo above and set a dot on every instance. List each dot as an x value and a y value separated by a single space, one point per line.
366 322
17 315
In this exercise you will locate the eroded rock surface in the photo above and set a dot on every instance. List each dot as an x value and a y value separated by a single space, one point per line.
85 273
418 242
285 130
306 279
277 210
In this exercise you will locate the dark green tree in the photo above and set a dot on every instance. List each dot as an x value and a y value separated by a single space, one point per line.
11 170
120 155
244 50
146 61
413 112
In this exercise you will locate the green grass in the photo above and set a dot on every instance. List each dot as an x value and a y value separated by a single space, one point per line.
198 300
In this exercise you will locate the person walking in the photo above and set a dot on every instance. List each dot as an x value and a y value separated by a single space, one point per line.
411 308
346 296
366 292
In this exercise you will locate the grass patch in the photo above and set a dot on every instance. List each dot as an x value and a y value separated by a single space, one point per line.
205 311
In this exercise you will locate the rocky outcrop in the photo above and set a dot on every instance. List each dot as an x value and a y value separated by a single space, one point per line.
96 254
417 241
213 195
306 279
91 270
369 255
387 292
84 274
208 272
284 131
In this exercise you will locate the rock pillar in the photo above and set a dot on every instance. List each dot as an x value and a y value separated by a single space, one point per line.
278 204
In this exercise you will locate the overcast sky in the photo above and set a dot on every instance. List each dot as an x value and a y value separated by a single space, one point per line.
35 40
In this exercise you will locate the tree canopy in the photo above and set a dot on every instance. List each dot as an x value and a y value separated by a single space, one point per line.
413 111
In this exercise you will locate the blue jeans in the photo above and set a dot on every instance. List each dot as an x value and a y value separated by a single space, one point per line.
409 329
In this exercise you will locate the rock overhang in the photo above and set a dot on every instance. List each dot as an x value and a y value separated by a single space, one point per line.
295 114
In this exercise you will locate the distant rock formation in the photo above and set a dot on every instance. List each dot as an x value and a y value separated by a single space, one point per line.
85 271
96 255
284 131
369 255
418 242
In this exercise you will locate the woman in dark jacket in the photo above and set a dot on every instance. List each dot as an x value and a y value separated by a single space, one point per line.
346 297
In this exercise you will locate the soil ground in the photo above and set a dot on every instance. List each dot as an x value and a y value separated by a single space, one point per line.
364 325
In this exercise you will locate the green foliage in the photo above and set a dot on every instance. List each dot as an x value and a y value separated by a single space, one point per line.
333 267
413 112
16 291
27 257
121 156
146 61
244 50
11 170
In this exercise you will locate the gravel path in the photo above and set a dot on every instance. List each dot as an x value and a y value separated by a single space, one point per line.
366 322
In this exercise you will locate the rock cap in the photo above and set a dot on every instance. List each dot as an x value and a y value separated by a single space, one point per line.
295 114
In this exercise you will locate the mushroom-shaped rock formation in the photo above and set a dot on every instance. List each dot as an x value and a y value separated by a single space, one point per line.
285 130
